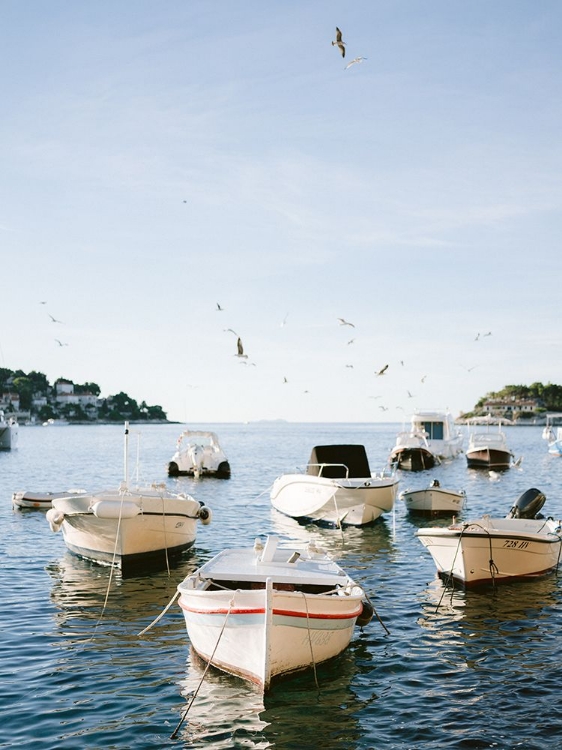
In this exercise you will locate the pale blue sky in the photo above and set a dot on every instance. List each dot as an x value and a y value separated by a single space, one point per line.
159 157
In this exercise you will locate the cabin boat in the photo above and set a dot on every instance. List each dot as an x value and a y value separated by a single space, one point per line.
434 499
337 488
522 545
488 450
443 436
9 431
198 453
412 453
271 610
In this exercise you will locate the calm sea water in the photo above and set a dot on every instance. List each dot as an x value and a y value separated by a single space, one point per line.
476 669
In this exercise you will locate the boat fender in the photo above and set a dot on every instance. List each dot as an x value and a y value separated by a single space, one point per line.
55 518
366 615
205 515
115 509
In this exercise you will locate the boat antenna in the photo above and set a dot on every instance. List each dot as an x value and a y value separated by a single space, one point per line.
126 456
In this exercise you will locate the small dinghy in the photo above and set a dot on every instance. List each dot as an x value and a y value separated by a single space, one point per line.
270 610
41 500
524 544
434 499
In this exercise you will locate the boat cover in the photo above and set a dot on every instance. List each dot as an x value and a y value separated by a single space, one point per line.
352 456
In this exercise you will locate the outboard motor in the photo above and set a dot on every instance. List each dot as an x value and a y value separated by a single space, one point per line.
528 504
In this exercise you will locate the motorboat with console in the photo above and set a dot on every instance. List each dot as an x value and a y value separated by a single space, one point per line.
198 454
337 488
434 499
412 452
523 544
443 437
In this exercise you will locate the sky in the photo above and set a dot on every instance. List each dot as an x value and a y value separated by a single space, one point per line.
160 159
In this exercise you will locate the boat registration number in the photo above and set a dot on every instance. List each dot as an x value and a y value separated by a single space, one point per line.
515 544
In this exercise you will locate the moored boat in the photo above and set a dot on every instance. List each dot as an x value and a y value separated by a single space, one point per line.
272 610
553 434
444 439
434 499
488 450
198 454
131 528
41 500
9 431
337 488
521 545
411 452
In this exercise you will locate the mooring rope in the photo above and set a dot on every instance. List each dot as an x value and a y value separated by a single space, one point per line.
161 615
184 716
310 641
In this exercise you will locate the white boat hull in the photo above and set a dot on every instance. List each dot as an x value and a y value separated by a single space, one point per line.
353 502
494 549
433 499
131 530
259 647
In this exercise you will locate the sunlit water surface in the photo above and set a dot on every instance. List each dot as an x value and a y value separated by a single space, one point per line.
476 669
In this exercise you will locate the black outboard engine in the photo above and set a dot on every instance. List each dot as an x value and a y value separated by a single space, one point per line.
528 504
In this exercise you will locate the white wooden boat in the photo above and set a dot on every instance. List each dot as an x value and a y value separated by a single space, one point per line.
268 611
488 450
412 452
434 499
130 528
198 453
444 439
490 550
9 431
41 500
337 488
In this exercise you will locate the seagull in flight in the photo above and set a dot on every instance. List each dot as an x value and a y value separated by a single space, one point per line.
219 308
54 319
410 395
240 349
344 322
284 323
350 341
226 330
354 61
339 43
60 343
382 371
488 334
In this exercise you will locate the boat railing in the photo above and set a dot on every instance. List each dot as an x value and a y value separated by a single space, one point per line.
324 466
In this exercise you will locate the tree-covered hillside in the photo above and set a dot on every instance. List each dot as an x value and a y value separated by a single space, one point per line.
32 394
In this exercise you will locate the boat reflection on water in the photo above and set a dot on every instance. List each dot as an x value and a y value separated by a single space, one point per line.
374 539
285 717
84 592
476 617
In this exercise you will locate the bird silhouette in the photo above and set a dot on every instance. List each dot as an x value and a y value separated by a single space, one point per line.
344 322
226 330
339 43
350 341
354 62
54 319
60 343
382 371
240 348
284 322
219 308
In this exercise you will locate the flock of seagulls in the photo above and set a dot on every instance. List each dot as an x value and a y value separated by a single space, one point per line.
54 320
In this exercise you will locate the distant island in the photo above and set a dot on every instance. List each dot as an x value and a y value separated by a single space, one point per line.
31 398
520 404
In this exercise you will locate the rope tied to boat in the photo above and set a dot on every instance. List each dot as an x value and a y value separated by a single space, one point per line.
310 641
184 716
